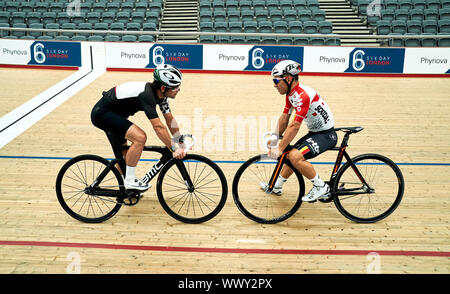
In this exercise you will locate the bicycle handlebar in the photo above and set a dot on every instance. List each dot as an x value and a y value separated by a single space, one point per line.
266 140
188 145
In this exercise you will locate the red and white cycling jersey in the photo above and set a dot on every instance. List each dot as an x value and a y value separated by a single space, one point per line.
310 106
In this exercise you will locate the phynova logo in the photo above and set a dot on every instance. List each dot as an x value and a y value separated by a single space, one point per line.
433 61
181 56
376 60
327 59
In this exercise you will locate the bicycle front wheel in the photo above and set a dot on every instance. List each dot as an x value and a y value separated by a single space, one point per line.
259 206
73 189
199 203
376 201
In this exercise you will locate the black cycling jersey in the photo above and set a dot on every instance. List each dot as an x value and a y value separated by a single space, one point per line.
110 113
128 98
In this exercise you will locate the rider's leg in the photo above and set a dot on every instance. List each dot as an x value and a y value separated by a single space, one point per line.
320 188
138 139
299 162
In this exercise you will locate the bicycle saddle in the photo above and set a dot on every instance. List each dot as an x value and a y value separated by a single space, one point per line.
349 130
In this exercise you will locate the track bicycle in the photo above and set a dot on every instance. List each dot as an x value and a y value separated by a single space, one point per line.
365 189
90 188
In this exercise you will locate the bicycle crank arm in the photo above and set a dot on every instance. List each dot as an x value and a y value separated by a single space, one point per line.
102 192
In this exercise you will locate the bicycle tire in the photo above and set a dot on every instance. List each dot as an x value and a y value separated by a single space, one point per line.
204 202
252 206
376 170
72 176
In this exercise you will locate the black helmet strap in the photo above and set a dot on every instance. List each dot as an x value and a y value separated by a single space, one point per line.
289 85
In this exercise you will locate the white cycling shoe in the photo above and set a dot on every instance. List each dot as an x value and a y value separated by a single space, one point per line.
275 190
317 192
136 184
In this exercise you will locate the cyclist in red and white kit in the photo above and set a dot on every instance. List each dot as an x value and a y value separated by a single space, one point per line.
308 107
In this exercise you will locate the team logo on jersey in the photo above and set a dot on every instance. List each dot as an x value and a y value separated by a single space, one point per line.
322 113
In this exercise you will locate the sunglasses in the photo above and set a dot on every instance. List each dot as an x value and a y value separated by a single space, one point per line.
276 81
174 88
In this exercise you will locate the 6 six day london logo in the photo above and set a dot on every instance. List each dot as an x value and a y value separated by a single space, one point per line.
376 60
55 53
181 56
265 57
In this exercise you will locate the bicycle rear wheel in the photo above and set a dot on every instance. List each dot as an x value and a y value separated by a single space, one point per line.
258 205
199 204
381 198
72 189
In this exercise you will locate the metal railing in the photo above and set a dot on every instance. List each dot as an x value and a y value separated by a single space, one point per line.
181 33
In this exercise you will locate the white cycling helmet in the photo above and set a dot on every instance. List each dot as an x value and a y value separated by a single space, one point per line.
168 75
286 67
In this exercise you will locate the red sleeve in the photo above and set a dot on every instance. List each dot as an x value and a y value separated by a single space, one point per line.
287 106
302 108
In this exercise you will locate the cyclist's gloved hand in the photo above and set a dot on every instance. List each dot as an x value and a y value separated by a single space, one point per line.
179 153
275 152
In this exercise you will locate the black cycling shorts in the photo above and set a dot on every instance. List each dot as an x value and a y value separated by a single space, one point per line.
313 144
114 125
109 121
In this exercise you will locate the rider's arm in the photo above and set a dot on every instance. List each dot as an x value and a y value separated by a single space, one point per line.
162 132
172 124
283 122
290 134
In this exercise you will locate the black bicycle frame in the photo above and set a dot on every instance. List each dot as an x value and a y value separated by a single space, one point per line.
341 154
93 189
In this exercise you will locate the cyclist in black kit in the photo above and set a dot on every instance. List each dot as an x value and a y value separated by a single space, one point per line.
112 110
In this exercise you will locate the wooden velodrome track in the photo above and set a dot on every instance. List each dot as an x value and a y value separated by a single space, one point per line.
405 119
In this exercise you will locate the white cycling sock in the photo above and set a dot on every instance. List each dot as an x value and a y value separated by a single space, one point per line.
317 181
280 181
131 173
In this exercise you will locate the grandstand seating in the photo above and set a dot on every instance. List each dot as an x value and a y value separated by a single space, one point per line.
404 17
408 17
265 16
134 15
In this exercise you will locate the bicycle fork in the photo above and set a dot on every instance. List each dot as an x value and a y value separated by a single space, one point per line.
276 172
185 176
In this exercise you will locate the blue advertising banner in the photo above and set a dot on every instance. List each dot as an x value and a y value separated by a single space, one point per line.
264 58
181 56
55 53
376 60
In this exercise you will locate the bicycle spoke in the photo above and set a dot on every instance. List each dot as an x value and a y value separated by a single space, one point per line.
204 196
213 180
181 182
200 181
81 179
195 181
